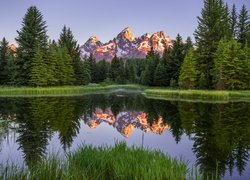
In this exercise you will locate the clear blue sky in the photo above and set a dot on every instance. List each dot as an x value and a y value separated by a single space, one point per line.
106 18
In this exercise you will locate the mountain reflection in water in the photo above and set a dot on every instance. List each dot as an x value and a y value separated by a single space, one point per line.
126 122
218 133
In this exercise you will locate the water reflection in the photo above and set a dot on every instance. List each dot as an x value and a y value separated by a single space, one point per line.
220 132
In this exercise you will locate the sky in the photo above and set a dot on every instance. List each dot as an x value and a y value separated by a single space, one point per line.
106 18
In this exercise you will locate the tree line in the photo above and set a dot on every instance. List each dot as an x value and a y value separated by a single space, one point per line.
219 58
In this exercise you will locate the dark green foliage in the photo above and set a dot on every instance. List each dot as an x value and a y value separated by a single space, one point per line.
130 71
243 26
31 36
176 59
103 68
160 76
233 22
213 25
188 78
4 56
202 81
64 72
117 70
152 60
231 69
86 73
92 68
67 40
39 70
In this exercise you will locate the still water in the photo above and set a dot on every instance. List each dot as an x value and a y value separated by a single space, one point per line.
204 134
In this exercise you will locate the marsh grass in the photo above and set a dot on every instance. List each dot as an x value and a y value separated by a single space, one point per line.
158 93
64 90
88 162
198 95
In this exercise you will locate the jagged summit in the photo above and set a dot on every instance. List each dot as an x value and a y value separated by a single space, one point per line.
126 34
126 45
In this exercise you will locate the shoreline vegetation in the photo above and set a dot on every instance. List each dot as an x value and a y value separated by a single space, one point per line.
104 162
149 92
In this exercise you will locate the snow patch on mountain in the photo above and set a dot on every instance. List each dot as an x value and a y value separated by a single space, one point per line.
126 45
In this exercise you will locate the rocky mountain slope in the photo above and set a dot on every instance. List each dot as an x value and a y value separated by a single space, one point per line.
126 45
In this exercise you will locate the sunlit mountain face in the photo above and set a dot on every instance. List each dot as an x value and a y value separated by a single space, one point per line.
126 45
126 121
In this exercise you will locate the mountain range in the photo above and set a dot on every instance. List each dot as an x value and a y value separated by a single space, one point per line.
126 45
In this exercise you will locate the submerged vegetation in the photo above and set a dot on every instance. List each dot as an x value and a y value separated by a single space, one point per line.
88 162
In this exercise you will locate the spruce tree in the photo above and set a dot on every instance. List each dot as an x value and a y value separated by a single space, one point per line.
31 36
130 70
93 68
68 41
38 70
152 60
229 69
212 27
117 70
233 21
188 78
4 56
243 27
174 63
86 72
160 77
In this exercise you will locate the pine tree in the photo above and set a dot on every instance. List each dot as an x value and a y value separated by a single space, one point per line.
229 67
130 70
212 27
152 60
86 72
4 55
51 60
39 70
243 27
93 68
177 57
117 70
188 78
103 70
233 21
67 40
160 76
31 36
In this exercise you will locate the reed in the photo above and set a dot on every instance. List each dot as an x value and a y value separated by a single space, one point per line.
88 162
63 90
198 95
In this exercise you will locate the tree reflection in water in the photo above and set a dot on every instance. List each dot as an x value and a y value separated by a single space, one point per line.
221 132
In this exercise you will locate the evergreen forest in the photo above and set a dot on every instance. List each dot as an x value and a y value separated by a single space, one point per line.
219 59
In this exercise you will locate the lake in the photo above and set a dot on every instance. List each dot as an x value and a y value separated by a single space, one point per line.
204 134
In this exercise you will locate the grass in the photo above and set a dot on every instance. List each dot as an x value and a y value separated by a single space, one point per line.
198 95
63 90
88 162
159 93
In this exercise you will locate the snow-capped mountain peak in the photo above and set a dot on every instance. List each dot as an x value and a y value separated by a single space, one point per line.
126 45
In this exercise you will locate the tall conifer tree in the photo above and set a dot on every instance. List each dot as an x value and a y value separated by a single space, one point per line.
212 27
243 27
68 41
4 55
32 35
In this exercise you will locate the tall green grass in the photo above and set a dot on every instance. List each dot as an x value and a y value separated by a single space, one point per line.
63 90
88 162
198 95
